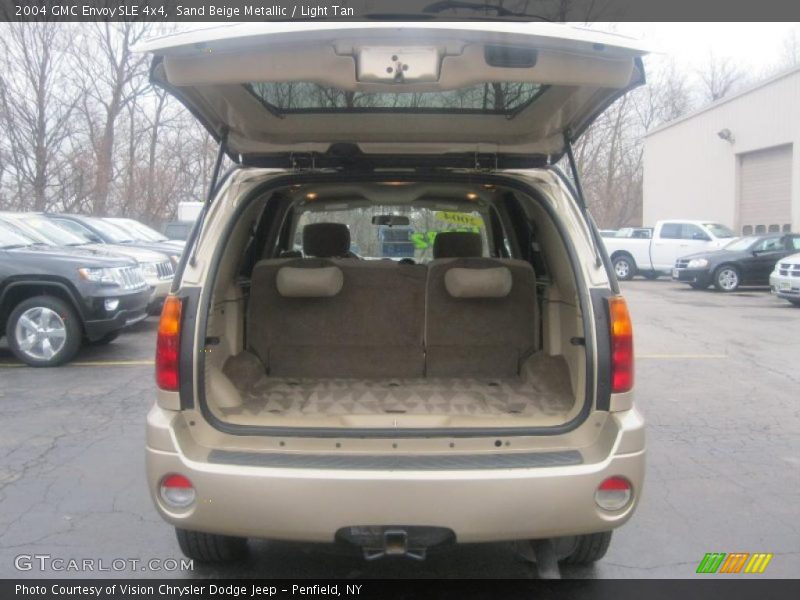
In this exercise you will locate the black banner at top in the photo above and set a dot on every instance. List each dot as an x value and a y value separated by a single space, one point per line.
402 10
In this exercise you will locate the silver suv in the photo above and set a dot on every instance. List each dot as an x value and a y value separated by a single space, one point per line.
395 325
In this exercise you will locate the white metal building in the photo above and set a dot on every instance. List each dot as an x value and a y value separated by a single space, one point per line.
736 161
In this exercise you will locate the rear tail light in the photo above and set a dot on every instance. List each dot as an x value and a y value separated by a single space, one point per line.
621 345
177 491
613 494
168 345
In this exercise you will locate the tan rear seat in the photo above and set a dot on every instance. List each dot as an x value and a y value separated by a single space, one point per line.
330 317
481 314
344 318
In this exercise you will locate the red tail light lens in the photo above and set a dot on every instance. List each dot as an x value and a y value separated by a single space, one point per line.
168 345
177 491
621 345
613 494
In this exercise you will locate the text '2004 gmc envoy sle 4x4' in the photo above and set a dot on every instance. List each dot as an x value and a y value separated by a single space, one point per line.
317 383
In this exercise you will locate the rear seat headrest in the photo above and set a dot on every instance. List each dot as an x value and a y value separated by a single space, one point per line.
493 282
326 240
457 244
321 282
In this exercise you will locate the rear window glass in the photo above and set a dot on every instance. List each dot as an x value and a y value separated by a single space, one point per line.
414 240
489 98
671 231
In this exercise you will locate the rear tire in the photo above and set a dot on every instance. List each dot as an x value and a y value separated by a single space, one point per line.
210 547
589 548
795 302
43 331
624 267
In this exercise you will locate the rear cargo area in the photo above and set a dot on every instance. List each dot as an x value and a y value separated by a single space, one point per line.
456 336
542 392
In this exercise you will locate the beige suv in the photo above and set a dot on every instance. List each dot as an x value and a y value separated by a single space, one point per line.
395 325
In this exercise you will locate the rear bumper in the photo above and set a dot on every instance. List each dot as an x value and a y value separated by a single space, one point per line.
478 505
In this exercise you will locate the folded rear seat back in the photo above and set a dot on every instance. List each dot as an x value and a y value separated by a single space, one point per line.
482 317
372 327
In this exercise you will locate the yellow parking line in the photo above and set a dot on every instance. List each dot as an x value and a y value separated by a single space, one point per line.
680 356
94 363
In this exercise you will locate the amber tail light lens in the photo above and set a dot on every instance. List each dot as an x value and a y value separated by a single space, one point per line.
168 345
621 345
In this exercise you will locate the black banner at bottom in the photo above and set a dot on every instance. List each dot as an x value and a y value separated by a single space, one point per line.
638 589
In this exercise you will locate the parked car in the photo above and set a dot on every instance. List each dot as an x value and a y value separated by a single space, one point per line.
158 269
744 261
608 232
102 232
178 230
54 298
784 281
671 240
142 233
384 403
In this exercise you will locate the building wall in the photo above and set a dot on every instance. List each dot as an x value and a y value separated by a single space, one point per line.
690 173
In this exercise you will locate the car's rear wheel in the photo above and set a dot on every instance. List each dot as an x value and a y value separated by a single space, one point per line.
624 267
210 547
726 278
589 548
795 302
43 331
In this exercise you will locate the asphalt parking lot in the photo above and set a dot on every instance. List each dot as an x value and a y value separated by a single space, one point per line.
717 379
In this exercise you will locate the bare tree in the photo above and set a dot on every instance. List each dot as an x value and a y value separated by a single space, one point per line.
112 78
719 77
610 154
37 107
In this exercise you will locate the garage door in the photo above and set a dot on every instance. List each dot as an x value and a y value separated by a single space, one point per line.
765 190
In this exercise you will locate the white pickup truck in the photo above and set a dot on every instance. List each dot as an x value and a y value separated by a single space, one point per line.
671 240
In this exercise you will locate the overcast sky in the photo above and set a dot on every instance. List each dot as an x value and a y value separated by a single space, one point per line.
756 46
